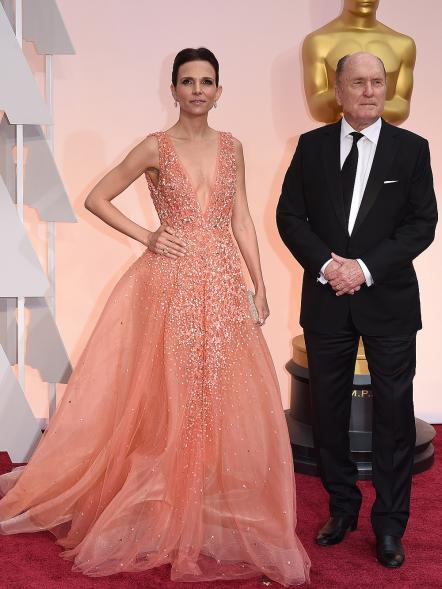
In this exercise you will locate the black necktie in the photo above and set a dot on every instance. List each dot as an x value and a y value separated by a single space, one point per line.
348 173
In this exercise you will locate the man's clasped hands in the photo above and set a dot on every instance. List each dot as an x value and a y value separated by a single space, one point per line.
344 275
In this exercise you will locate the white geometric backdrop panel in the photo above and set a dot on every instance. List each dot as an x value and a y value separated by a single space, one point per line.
43 25
21 273
28 175
19 94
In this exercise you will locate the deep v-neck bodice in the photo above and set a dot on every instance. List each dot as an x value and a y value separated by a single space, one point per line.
175 198
212 185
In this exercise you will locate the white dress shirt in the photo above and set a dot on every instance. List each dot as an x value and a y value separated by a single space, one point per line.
366 150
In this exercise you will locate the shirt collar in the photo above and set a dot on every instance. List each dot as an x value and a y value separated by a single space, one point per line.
371 132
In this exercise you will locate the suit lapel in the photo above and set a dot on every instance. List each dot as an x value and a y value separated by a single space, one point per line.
383 158
331 156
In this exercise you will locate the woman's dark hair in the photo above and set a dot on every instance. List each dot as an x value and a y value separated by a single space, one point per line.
189 54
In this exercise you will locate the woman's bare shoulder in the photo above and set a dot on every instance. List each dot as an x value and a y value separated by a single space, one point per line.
237 146
144 155
150 143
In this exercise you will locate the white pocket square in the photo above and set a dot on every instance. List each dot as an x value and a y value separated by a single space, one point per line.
390 181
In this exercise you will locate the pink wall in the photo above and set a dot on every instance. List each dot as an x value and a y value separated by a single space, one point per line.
116 90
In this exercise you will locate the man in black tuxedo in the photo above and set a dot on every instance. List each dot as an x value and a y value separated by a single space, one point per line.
357 206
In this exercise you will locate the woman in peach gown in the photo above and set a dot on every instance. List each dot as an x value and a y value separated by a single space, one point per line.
170 443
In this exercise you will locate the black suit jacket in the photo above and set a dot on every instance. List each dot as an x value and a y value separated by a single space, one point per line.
395 223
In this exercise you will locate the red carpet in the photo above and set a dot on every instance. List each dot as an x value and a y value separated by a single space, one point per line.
30 561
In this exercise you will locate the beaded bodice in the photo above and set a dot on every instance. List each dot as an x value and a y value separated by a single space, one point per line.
175 199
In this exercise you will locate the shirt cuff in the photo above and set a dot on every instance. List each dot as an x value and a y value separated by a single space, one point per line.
368 277
321 278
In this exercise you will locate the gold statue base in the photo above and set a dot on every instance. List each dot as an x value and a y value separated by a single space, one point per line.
299 419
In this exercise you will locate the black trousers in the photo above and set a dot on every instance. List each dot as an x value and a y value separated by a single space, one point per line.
392 362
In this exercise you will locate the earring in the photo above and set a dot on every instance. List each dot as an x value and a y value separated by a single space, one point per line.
214 105
176 103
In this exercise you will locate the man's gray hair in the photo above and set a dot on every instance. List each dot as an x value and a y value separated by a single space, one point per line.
341 64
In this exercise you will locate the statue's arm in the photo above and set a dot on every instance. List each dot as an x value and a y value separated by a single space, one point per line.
319 90
397 108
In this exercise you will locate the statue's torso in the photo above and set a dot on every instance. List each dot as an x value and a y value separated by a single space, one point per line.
386 46
323 49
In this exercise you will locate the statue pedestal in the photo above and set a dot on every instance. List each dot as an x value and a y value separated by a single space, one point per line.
299 418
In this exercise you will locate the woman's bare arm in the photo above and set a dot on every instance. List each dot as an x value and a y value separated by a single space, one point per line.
245 235
143 157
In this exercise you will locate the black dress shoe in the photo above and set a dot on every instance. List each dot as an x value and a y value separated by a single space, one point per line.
335 529
389 551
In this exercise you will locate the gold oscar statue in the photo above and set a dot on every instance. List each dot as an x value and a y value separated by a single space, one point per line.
356 29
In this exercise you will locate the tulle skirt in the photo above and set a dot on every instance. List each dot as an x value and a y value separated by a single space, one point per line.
170 443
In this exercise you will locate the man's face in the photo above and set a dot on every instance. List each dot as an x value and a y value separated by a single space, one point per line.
361 90
361 7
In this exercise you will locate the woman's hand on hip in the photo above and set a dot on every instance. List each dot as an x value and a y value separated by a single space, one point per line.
164 242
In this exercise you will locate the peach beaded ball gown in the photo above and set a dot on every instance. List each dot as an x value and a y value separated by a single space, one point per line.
170 443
